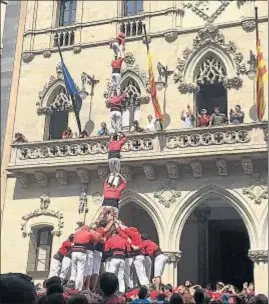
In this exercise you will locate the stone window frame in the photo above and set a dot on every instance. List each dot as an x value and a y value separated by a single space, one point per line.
33 251
124 8
60 12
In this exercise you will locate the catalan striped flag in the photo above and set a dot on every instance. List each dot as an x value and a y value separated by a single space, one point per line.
261 77
153 92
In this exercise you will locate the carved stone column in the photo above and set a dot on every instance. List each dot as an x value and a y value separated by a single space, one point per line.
170 272
259 257
202 244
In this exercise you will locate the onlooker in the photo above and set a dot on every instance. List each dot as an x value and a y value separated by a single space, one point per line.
19 137
186 297
135 128
260 299
67 133
203 118
218 118
78 299
142 296
109 284
236 116
199 296
103 131
55 298
151 126
176 299
187 117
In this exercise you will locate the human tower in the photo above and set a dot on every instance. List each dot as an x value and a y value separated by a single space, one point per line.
123 250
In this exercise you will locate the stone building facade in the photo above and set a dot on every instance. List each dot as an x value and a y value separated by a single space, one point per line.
200 192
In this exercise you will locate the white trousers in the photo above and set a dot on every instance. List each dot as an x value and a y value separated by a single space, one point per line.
159 264
78 269
66 268
140 270
107 264
89 263
117 49
115 120
97 259
116 79
128 273
114 165
55 268
117 267
148 265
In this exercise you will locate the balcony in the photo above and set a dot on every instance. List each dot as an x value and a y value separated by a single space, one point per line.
132 27
64 38
179 145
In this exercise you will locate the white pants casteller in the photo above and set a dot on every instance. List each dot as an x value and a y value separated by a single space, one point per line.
107 264
89 263
117 49
114 165
116 78
78 268
115 119
55 268
66 268
128 273
97 258
117 267
148 265
140 270
159 264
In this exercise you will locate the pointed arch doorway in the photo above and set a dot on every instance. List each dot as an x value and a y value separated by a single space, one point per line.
209 76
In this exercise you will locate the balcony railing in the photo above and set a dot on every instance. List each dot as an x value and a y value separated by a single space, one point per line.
132 28
179 144
64 38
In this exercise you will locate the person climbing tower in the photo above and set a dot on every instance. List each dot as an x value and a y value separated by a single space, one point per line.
118 45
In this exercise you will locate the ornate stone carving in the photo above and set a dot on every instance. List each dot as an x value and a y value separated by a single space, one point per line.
210 35
258 191
41 178
207 10
76 49
44 204
61 176
103 172
167 195
197 169
172 170
247 165
173 256
83 175
149 171
83 202
28 57
258 255
126 171
222 167
47 54
170 36
129 59
185 88
23 179
248 24
97 197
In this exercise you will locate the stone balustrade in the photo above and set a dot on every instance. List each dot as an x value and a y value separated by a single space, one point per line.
132 27
179 144
64 37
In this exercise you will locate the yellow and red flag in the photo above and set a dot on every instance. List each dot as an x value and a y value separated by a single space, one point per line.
261 77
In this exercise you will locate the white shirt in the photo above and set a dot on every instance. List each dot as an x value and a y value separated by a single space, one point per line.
151 127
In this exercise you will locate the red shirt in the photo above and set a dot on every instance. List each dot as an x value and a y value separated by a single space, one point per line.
116 145
116 100
66 246
84 236
134 235
149 247
116 64
114 193
204 121
116 242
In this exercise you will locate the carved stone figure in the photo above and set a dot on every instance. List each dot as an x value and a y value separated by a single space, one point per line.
61 176
41 178
172 170
222 167
44 202
247 165
149 171
197 169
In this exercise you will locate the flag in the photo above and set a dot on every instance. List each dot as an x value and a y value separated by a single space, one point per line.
153 92
261 77
71 90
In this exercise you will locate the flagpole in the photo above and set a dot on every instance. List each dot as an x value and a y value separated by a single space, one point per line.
256 25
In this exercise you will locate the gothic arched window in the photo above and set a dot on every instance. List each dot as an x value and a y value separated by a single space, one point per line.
132 7
131 106
67 12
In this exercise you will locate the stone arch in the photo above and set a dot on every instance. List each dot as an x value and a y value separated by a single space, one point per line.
133 76
197 57
264 230
191 201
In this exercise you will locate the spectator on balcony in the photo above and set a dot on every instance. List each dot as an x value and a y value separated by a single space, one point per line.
236 115
19 138
135 128
187 117
151 126
103 131
203 118
67 133
218 118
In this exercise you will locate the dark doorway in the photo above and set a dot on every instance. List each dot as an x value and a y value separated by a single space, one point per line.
58 123
228 253
210 96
